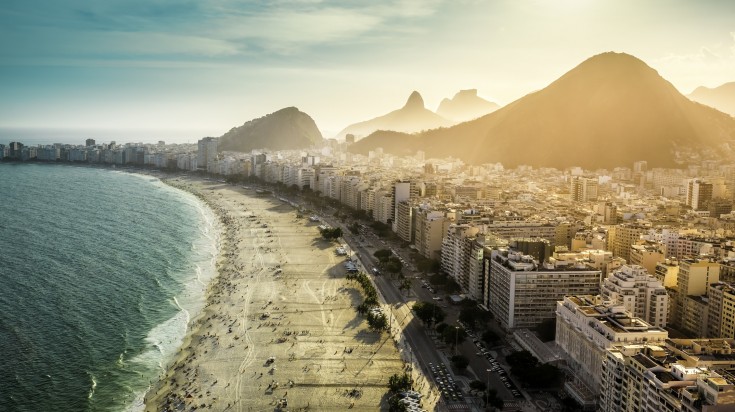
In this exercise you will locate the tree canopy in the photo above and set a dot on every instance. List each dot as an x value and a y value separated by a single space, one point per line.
528 369
429 312
331 233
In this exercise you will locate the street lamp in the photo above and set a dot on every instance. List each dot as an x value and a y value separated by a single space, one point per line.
487 388
456 338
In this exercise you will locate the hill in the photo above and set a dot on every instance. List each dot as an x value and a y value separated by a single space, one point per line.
610 110
412 117
285 129
465 105
721 98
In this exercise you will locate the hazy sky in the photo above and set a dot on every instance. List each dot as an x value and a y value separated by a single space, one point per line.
208 65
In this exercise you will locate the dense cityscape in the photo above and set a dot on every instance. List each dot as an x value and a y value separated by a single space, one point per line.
624 279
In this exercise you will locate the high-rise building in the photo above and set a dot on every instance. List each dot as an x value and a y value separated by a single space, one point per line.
721 317
523 292
698 194
207 151
583 189
610 214
403 222
638 292
684 375
621 237
647 254
690 310
429 232
454 252
401 193
641 166
89 142
586 326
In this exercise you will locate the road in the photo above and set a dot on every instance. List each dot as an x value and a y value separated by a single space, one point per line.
414 333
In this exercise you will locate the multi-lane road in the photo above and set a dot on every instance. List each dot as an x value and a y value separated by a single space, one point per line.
411 333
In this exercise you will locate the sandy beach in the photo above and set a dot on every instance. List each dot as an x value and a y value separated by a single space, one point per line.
279 323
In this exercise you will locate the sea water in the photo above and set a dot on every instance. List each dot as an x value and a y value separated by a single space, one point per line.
100 271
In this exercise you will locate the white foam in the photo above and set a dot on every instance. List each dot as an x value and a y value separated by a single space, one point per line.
165 339
94 386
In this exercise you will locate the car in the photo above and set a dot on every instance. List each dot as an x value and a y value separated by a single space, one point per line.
437 298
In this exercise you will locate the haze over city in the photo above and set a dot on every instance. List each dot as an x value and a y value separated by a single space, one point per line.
196 68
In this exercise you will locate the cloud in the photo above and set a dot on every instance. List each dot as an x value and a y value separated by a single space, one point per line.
710 65
287 27
224 29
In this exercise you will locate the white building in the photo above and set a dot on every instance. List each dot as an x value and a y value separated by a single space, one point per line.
639 292
586 326
523 292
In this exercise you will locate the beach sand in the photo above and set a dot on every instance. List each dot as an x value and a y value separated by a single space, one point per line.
281 292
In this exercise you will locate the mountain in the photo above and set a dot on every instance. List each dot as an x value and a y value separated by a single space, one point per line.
465 105
721 98
412 117
610 110
286 129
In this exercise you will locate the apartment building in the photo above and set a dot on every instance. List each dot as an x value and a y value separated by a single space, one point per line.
698 194
681 376
691 310
586 326
621 237
403 225
583 189
638 292
455 252
429 231
647 254
721 317
523 292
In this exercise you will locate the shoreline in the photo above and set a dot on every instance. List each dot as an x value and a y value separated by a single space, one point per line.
276 283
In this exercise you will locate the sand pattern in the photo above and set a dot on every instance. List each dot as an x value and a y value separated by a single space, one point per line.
279 330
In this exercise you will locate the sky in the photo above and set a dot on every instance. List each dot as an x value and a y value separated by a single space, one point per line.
183 69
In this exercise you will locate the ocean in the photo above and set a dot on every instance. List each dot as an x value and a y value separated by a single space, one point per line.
100 271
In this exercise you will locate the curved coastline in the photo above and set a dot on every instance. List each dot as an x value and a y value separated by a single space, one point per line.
279 291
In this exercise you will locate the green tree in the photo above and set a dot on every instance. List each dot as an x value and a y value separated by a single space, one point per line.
522 359
378 322
490 337
473 315
383 254
405 284
354 228
397 383
331 233
395 404
527 368
493 399
428 312
454 335
478 385
393 265
544 375
460 362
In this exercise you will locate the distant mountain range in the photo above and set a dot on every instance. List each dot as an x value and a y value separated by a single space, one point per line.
285 129
465 105
721 98
412 117
610 110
